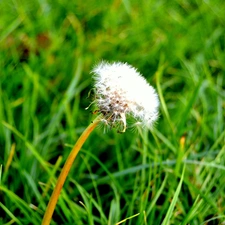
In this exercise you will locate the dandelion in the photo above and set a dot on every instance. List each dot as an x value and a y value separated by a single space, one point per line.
121 91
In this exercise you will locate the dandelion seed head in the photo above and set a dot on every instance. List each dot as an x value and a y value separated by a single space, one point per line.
121 91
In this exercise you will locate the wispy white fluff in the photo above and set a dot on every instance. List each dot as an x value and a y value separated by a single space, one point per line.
120 91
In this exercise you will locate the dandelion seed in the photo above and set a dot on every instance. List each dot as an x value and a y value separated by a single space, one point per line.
121 91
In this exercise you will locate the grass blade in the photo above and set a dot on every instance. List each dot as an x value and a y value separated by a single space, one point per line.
174 201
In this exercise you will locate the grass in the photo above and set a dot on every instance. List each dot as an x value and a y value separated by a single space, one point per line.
174 174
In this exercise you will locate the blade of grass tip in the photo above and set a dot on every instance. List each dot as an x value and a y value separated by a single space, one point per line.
153 201
127 6
94 184
33 188
29 146
109 177
115 209
10 28
214 218
133 198
95 218
66 211
88 202
220 108
187 109
72 207
10 214
174 201
78 29
119 156
221 138
205 195
180 156
113 212
159 74
70 93
128 218
11 154
165 140
2 112
131 170
55 168
144 162
22 206
208 164
1 174
193 211
145 218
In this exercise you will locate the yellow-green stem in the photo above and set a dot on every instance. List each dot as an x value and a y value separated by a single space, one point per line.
62 177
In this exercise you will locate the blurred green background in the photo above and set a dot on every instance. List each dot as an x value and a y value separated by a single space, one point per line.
47 50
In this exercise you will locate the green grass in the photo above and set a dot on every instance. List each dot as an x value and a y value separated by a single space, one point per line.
174 174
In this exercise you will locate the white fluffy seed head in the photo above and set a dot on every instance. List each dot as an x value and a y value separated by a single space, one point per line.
121 91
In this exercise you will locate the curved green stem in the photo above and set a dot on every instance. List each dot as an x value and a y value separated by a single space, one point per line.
66 168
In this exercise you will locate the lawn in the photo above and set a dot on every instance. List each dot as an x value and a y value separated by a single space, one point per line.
173 173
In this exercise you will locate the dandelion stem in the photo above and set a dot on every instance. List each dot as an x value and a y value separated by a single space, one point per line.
63 175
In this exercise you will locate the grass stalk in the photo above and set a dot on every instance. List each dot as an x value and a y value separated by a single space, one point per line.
64 173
